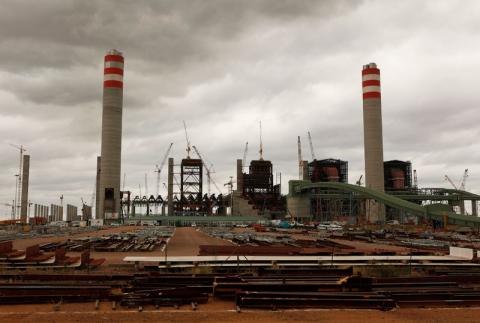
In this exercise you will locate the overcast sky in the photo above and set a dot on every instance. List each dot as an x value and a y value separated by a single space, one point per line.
222 66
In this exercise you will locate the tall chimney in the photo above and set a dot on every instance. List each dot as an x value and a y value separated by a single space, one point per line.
24 199
110 162
373 139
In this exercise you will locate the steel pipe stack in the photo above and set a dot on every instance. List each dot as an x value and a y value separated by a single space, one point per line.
373 139
110 168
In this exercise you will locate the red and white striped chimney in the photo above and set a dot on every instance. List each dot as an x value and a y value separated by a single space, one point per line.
373 138
108 205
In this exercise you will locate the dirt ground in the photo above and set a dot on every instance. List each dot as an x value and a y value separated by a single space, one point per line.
86 313
185 242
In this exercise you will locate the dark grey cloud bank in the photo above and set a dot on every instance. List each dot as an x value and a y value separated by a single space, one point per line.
224 65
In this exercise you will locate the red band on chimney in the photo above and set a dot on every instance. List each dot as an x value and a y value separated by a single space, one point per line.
371 95
113 70
370 71
370 83
111 83
113 58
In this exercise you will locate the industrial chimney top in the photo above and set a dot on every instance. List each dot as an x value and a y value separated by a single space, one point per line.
370 65
114 52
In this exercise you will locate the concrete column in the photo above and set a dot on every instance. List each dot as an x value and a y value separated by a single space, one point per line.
462 207
109 193
474 208
239 176
24 199
170 188
373 139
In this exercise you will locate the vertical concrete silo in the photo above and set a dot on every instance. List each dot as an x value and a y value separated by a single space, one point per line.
373 139
109 191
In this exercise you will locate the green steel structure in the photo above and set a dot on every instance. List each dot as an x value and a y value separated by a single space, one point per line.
402 201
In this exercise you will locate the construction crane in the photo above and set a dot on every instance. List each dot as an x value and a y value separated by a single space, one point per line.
300 164
261 143
188 140
463 181
451 182
158 169
311 146
208 170
244 160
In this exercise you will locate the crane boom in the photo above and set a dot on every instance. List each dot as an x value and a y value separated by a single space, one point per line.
188 140
158 169
464 180
311 146
451 182
208 170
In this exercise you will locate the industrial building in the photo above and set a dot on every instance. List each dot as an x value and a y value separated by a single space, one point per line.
391 191
257 195
322 192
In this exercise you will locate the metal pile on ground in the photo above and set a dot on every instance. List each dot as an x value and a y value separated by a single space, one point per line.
292 288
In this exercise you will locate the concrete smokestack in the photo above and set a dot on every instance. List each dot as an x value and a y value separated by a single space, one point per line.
109 192
373 138
24 199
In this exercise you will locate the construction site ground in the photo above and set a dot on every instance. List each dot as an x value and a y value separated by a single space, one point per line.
185 242
216 312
